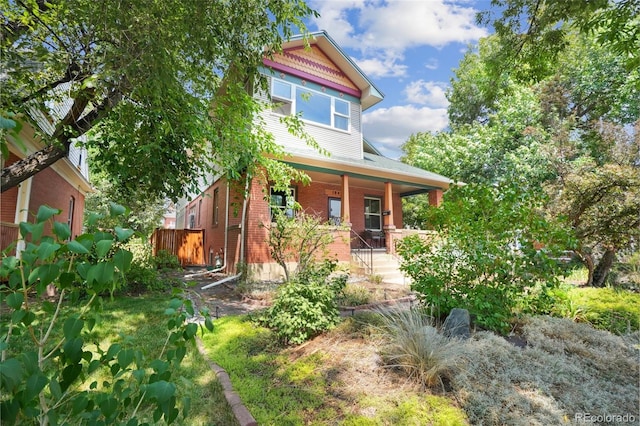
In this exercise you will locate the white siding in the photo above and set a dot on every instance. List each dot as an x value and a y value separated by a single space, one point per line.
337 143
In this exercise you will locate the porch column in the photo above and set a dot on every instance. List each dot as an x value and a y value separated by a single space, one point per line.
388 207
344 205
22 210
435 197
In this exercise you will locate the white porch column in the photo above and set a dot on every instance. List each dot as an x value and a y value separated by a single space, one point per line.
22 210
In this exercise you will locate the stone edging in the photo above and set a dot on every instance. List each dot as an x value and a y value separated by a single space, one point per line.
243 416
346 310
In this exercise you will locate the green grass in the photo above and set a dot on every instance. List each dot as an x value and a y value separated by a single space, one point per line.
139 322
614 310
281 387
274 390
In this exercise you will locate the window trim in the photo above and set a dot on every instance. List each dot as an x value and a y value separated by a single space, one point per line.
288 208
292 103
334 220
379 214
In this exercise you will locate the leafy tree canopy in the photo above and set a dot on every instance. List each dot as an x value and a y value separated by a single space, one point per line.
159 88
534 32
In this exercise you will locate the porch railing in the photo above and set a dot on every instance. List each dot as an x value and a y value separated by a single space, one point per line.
362 251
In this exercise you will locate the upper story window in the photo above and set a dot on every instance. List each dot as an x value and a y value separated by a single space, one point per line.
314 106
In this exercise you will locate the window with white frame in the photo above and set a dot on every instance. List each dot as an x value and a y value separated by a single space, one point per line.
283 200
314 106
372 214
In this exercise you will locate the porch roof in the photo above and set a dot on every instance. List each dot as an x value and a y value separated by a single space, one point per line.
408 180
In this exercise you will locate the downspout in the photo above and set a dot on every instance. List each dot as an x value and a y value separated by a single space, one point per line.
242 235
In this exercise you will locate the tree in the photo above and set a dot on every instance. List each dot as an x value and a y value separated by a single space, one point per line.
536 31
561 128
300 240
601 202
160 91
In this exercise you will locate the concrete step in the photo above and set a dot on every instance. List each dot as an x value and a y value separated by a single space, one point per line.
385 265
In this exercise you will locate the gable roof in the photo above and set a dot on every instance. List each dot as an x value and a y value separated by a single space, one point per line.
330 62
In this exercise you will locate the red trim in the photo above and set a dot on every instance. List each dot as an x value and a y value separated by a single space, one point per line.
310 77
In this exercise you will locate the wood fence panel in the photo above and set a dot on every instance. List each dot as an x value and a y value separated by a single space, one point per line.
187 244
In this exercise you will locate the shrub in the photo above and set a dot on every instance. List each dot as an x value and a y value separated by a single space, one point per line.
306 306
411 343
354 295
166 261
47 371
486 256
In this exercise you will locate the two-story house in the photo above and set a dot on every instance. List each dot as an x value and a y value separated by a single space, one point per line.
354 186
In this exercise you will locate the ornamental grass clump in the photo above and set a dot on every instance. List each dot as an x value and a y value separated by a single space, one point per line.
411 343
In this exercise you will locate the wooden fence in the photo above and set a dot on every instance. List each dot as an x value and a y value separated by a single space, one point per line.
187 244
8 236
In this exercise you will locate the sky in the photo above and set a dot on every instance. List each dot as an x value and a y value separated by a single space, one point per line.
409 49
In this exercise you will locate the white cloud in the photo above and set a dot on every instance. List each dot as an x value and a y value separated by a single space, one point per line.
389 128
431 93
383 66
397 24
432 64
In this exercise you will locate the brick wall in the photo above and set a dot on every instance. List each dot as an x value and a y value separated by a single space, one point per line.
51 189
9 198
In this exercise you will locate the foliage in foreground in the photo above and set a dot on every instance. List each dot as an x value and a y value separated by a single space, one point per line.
307 305
486 257
50 376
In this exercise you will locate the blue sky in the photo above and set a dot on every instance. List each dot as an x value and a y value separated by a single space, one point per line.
409 49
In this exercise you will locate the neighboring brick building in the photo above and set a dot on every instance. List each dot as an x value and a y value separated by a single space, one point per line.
63 186
354 187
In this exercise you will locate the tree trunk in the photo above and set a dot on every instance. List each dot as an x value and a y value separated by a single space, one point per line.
21 170
601 271
587 260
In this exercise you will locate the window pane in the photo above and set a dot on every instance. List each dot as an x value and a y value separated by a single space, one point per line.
342 107
314 106
372 205
281 89
341 122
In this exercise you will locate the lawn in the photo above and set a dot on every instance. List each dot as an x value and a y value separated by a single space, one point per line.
566 369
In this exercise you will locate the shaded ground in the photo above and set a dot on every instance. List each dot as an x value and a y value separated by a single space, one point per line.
234 298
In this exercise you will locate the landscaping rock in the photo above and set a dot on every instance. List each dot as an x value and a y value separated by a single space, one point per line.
457 324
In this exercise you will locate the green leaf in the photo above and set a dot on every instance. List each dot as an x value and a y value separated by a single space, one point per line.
11 373
161 390
46 213
48 273
72 328
100 273
14 300
116 209
67 279
108 407
25 229
125 357
123 234
75 247
54 386
122 260
73 350
103 247
34 385
79 404
61 230
46 250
